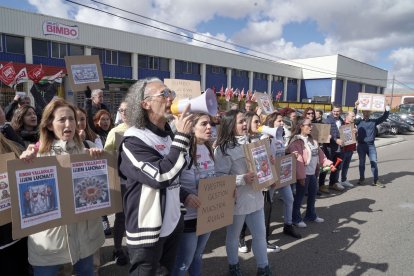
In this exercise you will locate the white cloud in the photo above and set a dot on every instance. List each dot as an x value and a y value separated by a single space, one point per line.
362 30
403 64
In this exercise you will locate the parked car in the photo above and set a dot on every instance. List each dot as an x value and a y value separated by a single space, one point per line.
397 125
405 118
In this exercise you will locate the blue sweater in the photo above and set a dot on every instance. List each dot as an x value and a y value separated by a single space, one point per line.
366 128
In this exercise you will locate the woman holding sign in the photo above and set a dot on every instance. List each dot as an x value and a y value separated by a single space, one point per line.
72 244
230 160
201 165
309 157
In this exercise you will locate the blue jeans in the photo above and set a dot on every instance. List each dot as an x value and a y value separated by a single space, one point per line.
347 157
310 186
190 254
83 267
256 223
287 197
370 150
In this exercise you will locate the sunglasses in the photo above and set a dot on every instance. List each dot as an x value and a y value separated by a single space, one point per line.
310 113
166 93
120 110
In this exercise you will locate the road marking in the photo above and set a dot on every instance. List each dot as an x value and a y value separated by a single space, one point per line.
407 205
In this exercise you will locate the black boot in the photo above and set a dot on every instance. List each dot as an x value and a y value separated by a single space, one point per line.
235 270
264 271
289 230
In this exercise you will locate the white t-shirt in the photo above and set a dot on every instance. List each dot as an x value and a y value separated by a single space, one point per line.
311 167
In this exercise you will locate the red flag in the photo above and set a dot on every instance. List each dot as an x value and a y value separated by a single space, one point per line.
222 91
242 93
279 94
21 76
37 73
228 94
7 74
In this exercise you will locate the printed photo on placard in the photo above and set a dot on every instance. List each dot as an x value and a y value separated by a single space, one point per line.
38 195
267 105
286 171
5 201
90 185
84 73
262 163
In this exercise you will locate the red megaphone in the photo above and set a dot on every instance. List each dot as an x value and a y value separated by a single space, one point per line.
338 160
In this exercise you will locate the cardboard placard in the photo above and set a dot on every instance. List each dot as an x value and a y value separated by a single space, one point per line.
5 198
286 170
321 132
58 190
371 102
265 102
217 203
347 134
84 71
184 89
258 161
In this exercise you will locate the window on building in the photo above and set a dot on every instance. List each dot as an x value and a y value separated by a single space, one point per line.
124 58
153 63
14 44
187 67
76 50
1 42
59 50
100 53
278 78
111 57
217 70
142 61
39 48
164 64
292 80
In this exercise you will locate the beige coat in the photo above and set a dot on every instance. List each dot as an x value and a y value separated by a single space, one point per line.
66 243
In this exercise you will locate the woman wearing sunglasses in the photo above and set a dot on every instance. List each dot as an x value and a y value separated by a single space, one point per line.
309 157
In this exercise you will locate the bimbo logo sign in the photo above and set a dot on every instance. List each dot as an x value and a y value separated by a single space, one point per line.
53 28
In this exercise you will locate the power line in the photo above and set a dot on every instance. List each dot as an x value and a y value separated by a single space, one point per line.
305 66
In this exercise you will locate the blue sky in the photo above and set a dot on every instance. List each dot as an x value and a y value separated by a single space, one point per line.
378 32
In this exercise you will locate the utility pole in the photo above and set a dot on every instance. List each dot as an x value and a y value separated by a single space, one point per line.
392 89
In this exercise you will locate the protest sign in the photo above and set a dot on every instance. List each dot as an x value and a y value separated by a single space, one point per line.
286 170
84 71
347 134
58 190
371 102
321 132
217 203
5 198
258 161
184 89
265 102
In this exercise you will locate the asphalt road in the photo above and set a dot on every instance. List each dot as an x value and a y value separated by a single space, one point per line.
367 230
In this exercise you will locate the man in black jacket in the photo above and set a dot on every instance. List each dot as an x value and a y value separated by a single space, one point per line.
150 160
332 149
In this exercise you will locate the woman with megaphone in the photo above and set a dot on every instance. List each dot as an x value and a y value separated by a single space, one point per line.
230 160
200 165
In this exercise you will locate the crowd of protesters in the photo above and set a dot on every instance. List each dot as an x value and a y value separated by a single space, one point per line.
161 161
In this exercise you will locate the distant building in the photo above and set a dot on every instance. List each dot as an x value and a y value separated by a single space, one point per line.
29 38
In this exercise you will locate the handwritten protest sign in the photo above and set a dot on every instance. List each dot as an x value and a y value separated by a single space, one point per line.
321 132
184 89
217 203
265 102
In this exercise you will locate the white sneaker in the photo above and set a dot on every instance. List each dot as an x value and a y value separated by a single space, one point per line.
319 220
347 184
337 187
301 224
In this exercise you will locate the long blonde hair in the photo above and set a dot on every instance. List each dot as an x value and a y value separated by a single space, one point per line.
7 146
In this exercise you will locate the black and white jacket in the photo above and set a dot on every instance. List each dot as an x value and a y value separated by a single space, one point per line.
150 161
